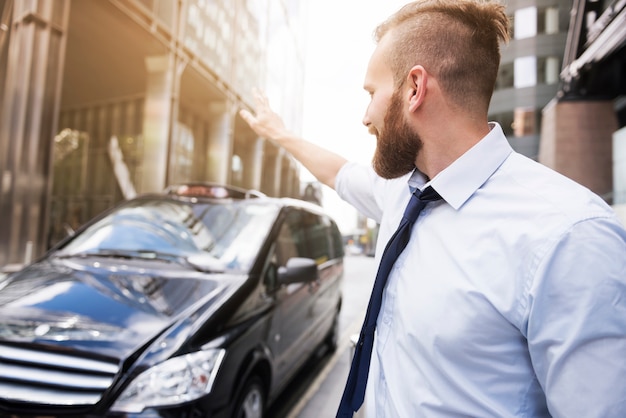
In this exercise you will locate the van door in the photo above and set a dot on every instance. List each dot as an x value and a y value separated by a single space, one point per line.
322 236
294 302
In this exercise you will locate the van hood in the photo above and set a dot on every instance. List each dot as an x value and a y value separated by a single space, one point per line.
103 307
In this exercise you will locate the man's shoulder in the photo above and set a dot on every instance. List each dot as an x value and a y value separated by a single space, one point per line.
552 192
353 172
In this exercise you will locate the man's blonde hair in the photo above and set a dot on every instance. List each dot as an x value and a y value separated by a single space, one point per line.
457 41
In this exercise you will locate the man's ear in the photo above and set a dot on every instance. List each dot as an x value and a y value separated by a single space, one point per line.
417 81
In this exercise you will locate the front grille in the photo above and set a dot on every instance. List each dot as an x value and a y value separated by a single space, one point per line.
52 378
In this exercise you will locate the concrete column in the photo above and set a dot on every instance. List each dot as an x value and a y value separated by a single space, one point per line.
576 140
277 173
295 180
157 122
296 186
272 168
253 164
287 180
269 160
29 112
220 149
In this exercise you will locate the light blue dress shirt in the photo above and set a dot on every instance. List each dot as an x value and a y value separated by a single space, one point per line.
510 298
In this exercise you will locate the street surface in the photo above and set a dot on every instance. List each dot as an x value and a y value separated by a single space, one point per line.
315 392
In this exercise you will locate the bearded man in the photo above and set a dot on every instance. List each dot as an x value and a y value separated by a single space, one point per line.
509 299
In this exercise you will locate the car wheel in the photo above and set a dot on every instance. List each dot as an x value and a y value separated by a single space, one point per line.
251 403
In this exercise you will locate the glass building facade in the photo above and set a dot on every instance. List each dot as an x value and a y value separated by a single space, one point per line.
105 99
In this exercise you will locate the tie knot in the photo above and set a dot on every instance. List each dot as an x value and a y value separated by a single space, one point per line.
418 201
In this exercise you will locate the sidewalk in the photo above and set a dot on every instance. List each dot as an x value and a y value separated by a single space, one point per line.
324 395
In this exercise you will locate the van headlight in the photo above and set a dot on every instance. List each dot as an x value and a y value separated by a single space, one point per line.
177 380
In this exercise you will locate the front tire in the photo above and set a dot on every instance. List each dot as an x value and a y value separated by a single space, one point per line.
251 401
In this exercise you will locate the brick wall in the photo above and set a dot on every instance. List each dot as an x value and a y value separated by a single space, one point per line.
576 140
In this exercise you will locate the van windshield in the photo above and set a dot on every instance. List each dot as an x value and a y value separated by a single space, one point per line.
229 231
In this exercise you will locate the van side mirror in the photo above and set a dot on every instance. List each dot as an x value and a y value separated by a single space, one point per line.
298 270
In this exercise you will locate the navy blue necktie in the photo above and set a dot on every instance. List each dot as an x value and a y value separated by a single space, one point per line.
354 392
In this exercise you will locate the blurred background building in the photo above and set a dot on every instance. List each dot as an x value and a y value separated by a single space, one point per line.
104 99
583 133
560 93
529 69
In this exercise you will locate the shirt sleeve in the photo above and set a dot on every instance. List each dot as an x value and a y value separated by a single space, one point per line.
356 184
576 325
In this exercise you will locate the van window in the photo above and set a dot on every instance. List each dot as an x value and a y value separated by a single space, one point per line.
337 242
317 232
307 234
290 241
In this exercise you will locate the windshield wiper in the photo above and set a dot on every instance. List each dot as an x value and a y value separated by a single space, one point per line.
126 254
200 262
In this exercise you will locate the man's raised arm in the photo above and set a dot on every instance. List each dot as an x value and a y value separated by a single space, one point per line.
322 163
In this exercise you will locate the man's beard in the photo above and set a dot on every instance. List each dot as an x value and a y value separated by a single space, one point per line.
397 145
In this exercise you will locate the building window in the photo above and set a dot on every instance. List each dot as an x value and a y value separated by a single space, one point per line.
525 71
505 76
182 152
548 20
525 23
531 21
529 71
237 170
506 122
521 122
524 122
548 70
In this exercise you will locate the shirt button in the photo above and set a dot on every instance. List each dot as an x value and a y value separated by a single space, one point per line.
386 320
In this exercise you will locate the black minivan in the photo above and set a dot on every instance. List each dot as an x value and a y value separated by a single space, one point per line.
203 301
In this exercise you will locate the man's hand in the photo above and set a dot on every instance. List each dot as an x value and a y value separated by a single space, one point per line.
266 123
322 163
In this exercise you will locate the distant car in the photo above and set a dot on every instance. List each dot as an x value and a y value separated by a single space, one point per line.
203 301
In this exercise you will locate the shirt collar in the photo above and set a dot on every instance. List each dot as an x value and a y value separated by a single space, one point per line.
458 182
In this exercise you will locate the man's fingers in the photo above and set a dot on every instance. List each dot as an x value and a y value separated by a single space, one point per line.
246 115
260 98
262 118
